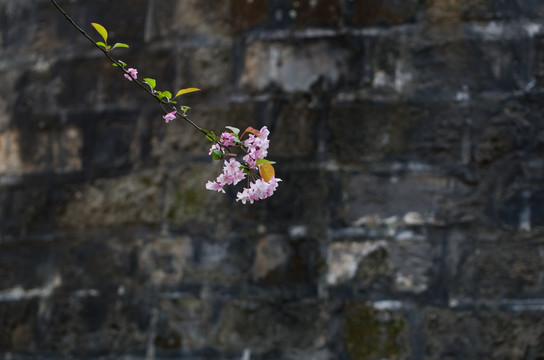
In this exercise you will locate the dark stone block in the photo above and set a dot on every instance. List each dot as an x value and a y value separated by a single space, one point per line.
26 211
18 324
248 14
370 333
490 265
107 137
308 13
480 334
369 131
375 12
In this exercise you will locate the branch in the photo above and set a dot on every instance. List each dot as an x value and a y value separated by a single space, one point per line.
120 66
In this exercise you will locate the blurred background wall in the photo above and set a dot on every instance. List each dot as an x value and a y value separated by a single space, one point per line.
409 223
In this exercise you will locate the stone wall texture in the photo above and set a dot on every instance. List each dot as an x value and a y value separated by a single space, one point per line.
409 225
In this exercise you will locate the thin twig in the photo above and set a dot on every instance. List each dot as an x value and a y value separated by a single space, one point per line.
119 65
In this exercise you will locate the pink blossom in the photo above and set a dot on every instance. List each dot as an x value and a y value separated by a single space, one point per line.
250 161
214 147
257 147
133 74
245 196
170 116
215 186
264 132
227 139
232 172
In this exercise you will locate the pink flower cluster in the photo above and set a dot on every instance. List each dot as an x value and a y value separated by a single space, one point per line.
258 190
232 175
256 148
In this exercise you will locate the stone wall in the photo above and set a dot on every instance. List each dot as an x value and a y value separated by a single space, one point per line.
410 220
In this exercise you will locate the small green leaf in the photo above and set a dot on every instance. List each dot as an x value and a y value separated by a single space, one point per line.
209 134
119 45
120 62
185 91
101 30
150 82
264 161
101 44
167 94
185 109
245 167
233 129
217 154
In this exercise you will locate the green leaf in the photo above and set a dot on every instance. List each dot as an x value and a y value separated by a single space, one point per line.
185 91
217 154
233 129
101 30
264 161
101 44
210 135
167 94
120 62
150 82
185 109
119 45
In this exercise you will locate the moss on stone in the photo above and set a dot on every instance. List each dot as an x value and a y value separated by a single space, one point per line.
373 334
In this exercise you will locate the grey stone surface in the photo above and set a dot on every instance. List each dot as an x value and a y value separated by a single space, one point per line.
409 223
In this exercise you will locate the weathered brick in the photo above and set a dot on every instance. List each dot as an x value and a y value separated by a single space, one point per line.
502 269
112 202
247 14
85 326
26 211
307 13
295 128
481 334
375 12
231 333
214 61
443 11
19 318
368 130
292 67
284 263
10 157
203 17
190 205
367 195
371 333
